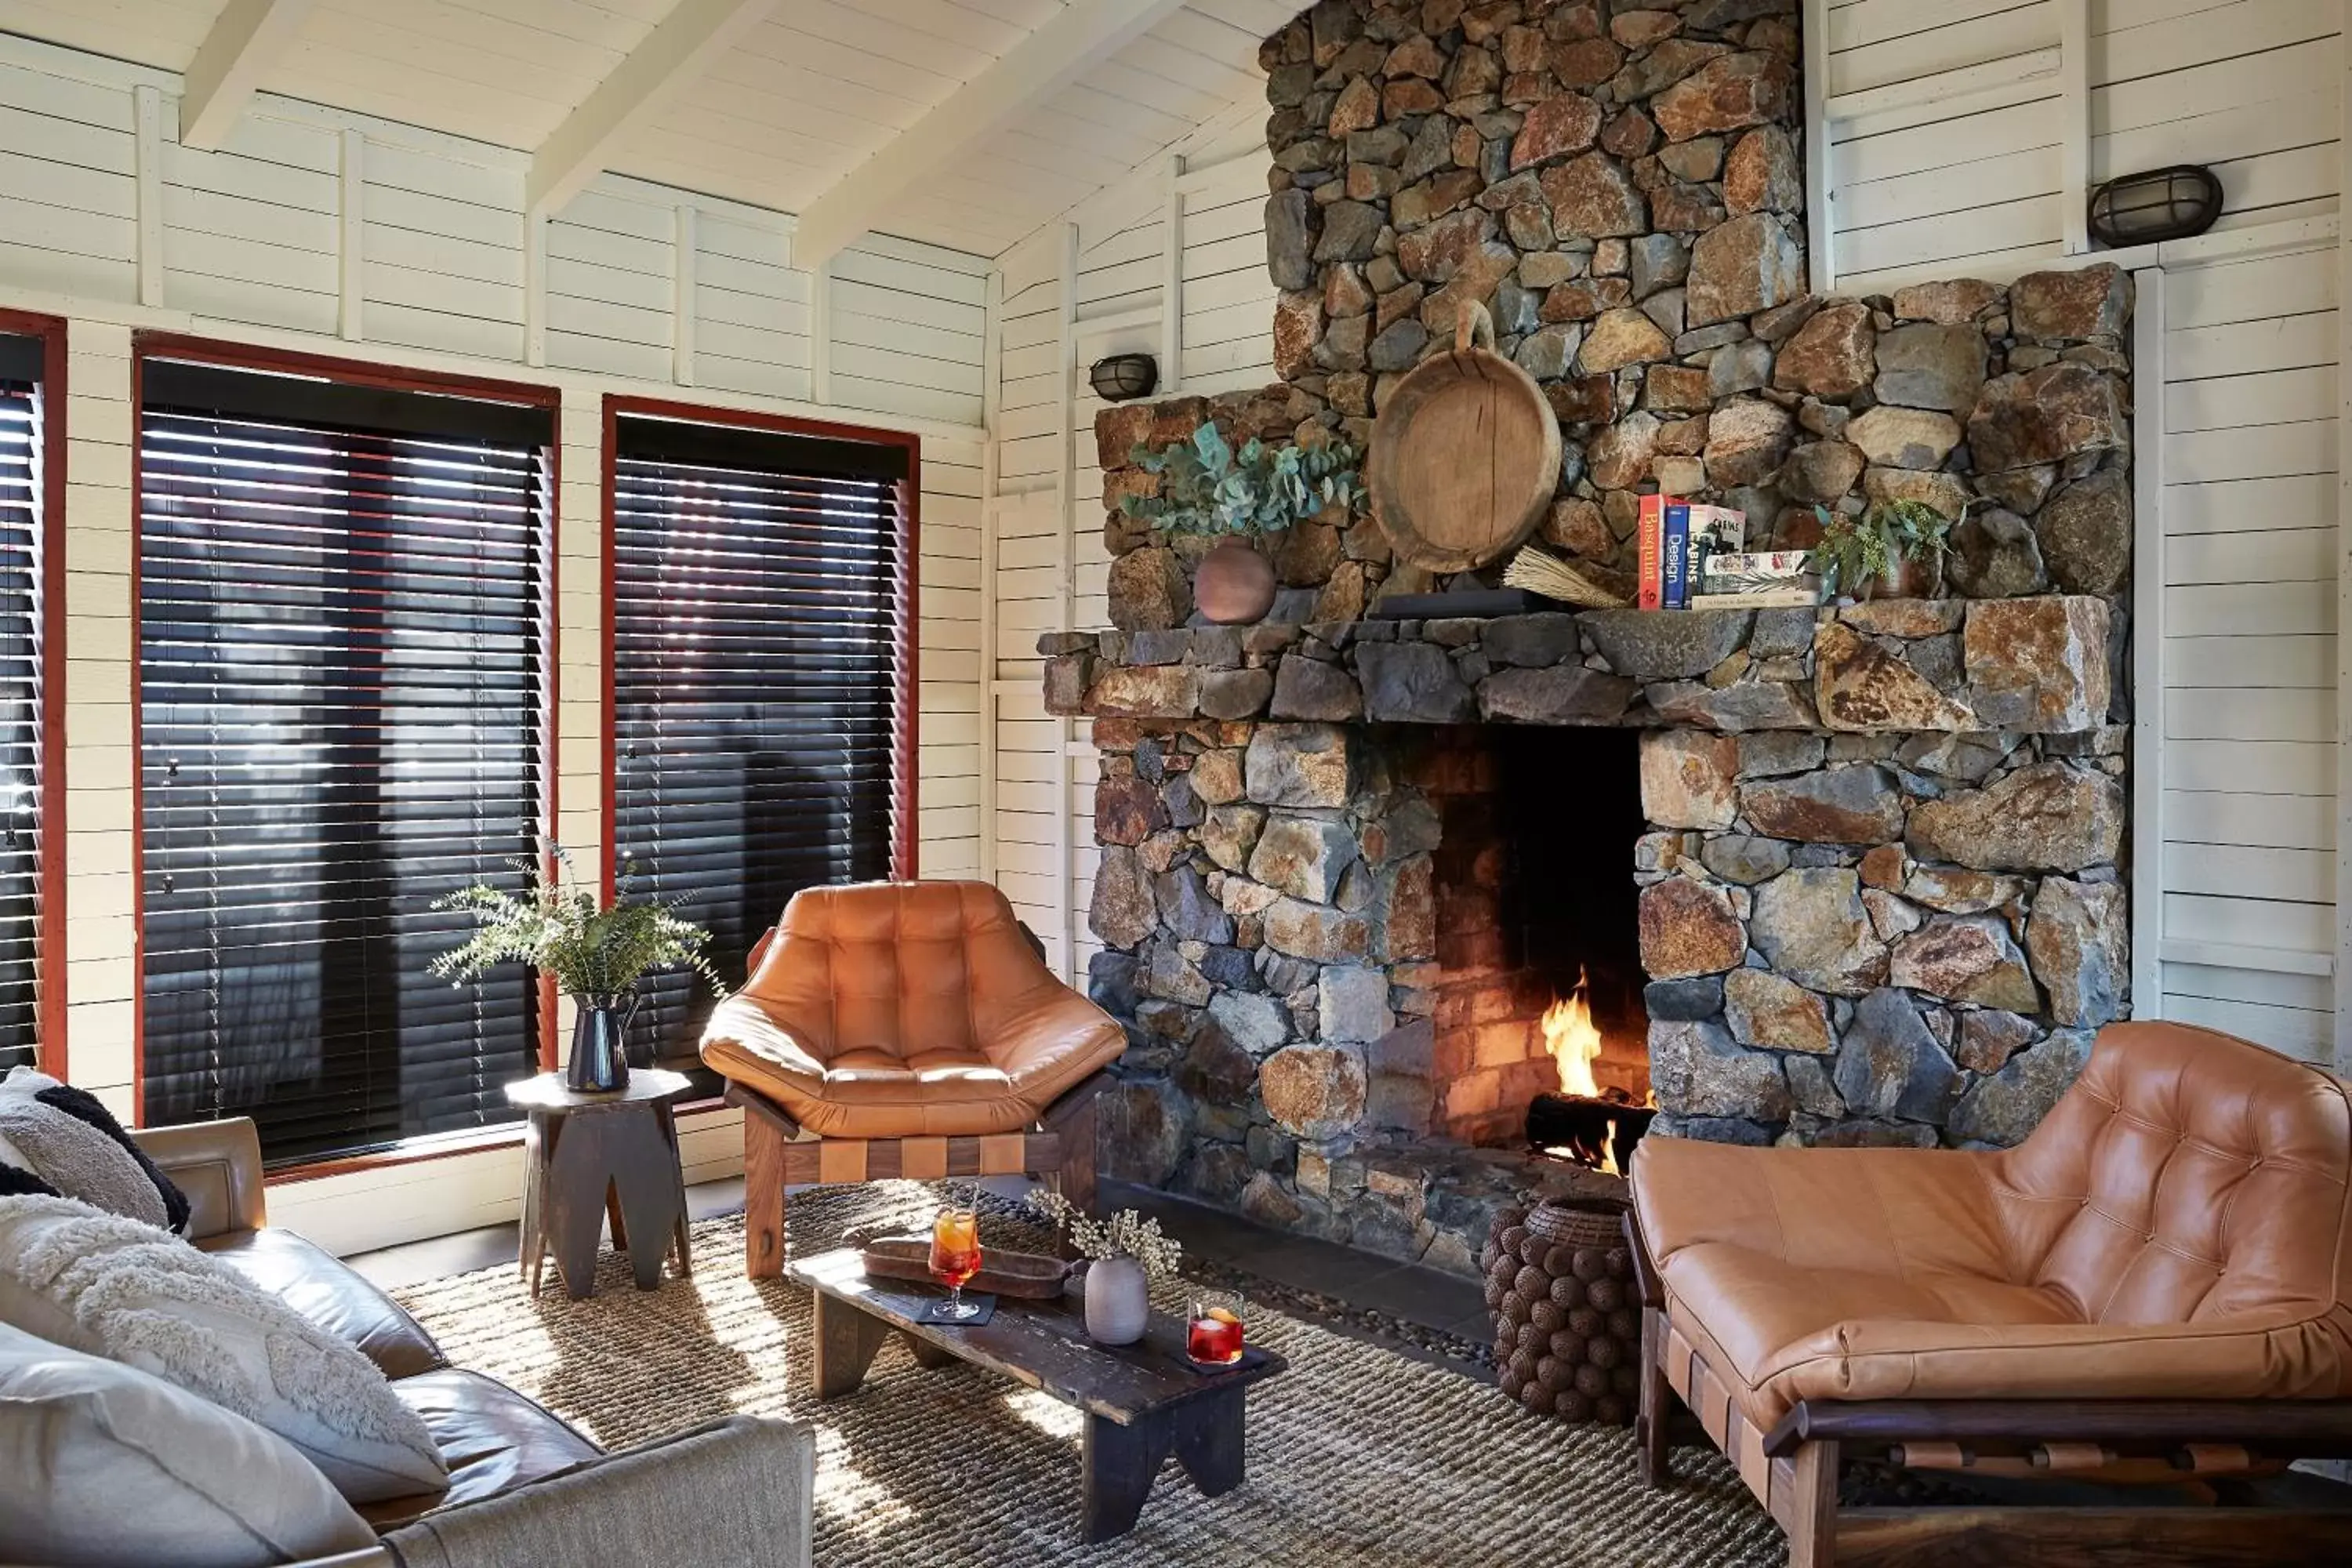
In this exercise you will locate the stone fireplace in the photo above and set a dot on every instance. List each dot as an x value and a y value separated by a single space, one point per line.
1838 875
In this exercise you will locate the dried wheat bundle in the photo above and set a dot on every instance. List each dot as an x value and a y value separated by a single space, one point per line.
1548 574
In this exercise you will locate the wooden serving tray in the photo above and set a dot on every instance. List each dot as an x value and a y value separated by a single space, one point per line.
1024 1274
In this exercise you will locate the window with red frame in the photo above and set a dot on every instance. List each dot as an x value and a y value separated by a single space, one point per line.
343 637
20 692
761 610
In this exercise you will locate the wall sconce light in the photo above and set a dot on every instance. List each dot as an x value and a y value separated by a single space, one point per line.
2163 203
1122 378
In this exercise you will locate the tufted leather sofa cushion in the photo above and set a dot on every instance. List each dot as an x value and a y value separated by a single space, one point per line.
907 1009
2179 1227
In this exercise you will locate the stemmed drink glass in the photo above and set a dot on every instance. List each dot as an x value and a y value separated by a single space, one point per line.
955 1257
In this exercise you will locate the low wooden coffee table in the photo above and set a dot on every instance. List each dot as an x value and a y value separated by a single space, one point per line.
1141 1401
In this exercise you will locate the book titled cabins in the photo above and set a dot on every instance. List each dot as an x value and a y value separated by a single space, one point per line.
1690 556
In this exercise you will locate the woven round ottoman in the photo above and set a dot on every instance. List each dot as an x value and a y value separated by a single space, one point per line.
1568 1329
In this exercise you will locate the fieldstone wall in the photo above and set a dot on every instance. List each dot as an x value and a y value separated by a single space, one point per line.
1880 897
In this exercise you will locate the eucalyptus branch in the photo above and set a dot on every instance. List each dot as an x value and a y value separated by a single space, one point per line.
1207 486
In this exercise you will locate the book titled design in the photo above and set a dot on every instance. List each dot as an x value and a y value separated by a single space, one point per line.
1675 574
1649 547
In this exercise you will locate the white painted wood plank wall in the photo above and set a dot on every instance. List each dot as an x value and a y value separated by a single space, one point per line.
2248 511
1950 119
327 231
1047 514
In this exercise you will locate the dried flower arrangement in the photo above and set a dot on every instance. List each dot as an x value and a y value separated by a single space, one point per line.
1126 1234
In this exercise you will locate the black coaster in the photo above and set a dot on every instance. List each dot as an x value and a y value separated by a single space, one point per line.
1250 1356
936 1312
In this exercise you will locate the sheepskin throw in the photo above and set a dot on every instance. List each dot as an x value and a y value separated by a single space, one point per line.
96 1282
58 1139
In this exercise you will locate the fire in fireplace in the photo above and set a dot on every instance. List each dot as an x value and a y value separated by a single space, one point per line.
1584 1123
1540 1029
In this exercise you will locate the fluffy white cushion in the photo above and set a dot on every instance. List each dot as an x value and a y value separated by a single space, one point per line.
107 1465
79 1277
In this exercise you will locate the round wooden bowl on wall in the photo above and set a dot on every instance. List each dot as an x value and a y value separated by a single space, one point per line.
1466 455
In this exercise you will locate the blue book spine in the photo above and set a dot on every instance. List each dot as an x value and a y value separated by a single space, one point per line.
1676 551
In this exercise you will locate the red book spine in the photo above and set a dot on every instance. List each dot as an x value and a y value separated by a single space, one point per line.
1649 539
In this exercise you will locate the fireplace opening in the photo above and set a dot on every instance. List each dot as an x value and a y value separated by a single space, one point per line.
1541 1036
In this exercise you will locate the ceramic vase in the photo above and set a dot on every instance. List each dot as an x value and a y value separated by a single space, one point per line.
1233 584
1118 1302
599 1063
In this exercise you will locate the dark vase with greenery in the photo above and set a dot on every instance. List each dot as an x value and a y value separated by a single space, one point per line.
1894 549
597 955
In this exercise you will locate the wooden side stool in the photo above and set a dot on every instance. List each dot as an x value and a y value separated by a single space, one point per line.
589 1157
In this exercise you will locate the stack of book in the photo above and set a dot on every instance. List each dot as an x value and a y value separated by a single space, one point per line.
1695 557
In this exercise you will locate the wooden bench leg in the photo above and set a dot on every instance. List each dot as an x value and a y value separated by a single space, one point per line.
1209 1440
1654 1459
764 1198
847 1341
1119 1465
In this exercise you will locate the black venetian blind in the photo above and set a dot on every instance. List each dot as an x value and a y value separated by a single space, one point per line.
342 622
20 691
760 630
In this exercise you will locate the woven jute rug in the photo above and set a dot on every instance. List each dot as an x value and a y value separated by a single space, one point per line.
1357 1456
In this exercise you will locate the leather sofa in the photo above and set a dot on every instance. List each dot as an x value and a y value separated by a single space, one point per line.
915 1030
523 1486
2156 1287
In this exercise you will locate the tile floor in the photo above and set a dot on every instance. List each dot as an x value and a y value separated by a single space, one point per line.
1404 1290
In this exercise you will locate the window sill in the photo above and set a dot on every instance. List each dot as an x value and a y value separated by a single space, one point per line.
423 1151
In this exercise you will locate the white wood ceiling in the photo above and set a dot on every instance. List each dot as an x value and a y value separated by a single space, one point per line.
785 114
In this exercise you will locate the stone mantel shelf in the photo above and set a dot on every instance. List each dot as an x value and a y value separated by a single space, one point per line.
2035 665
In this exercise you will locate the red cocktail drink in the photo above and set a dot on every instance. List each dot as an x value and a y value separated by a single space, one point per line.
1215 1338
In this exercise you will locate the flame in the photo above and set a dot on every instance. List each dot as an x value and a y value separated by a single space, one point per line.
1573 1042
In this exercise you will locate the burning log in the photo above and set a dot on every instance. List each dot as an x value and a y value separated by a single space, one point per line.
1598 1131
1583 1122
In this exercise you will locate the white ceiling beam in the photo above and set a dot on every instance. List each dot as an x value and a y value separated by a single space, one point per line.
1086 33
641 86
246 41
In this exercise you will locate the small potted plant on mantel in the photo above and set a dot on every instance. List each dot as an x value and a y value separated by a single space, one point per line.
597 955
1207 486
1894 549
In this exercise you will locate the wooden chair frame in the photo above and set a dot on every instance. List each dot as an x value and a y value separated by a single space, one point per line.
1793 1469
1058 1146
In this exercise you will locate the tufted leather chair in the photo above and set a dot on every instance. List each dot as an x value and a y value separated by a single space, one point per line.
2177 1227
915 1029
904 1009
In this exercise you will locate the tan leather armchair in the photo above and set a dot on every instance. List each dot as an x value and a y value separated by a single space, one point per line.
914 1030
2156 1286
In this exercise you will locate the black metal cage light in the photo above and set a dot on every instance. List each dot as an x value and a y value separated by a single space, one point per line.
1122 378
2162 204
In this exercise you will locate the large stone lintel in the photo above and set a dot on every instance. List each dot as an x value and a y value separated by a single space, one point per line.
2033 665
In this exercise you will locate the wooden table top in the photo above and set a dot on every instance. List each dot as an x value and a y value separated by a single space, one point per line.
548 1092
1043 1344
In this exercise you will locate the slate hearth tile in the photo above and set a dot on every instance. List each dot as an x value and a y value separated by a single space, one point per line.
1425 1296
